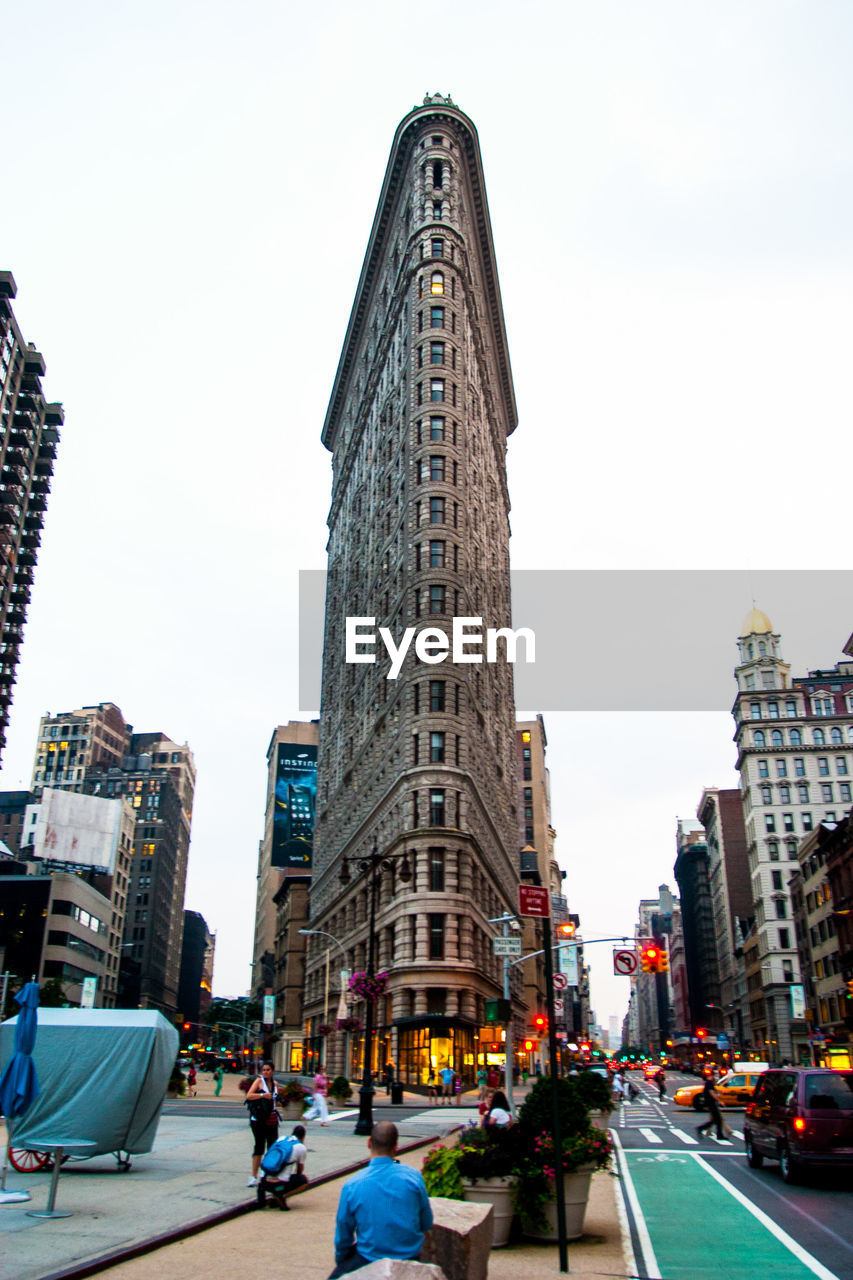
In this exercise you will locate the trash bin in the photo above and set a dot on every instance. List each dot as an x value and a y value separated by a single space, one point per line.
396 1092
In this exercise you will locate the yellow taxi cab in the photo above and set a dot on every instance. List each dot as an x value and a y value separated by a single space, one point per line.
734 1089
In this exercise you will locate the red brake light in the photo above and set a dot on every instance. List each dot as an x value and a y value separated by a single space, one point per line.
799 1124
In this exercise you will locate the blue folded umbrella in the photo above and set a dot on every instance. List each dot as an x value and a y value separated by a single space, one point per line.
19 1085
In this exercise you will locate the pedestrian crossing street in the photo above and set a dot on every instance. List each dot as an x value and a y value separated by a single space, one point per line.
660 1123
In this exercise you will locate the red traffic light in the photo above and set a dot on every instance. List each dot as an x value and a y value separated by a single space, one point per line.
529 1046
187 1026
540 1022
566 930
701 1033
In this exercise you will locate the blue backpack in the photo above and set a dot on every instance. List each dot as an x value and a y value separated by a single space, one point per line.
278 1155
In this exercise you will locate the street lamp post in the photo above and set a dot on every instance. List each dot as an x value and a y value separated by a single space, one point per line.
321 933
369 865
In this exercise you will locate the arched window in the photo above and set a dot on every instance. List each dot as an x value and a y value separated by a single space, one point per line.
835 737
750 651
762 649
437 282
758 738
819 738
776 738
437 172
796 738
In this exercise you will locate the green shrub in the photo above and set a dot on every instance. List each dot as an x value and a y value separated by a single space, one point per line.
537 1113
490 1153
340 1088
177 1084
594 1091
441 1173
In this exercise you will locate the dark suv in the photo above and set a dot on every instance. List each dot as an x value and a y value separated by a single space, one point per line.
801 1117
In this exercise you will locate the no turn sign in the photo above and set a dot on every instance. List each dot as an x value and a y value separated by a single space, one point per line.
560 982
625 963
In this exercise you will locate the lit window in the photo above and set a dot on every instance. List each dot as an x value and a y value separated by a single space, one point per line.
437 282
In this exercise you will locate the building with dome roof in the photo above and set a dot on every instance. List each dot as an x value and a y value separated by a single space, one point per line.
794 740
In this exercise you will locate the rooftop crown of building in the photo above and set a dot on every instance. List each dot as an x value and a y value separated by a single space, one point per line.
756 623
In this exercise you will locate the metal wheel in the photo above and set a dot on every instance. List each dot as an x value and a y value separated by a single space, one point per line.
697 1103
788 1168
753 1158
28 1161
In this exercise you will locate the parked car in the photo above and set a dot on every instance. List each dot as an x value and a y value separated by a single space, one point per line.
735 1089
802 1117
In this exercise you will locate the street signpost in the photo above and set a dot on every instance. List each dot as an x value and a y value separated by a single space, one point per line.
624 963
507 946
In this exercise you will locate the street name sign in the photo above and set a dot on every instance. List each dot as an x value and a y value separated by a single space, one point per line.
625 963
507 946
533 901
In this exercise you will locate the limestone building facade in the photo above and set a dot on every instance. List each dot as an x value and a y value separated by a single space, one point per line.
422 765
795 758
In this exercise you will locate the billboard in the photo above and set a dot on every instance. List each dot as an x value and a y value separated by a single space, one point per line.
294 806
78 829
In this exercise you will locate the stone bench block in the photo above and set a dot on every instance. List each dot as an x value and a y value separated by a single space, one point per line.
397 1269
460 1239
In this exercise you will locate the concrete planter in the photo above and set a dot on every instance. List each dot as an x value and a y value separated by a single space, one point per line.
498 1193
576 1195
292 1110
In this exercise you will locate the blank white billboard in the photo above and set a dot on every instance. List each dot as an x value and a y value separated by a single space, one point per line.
77 828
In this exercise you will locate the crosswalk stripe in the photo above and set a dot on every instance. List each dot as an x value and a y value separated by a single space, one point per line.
650 1135
685 1137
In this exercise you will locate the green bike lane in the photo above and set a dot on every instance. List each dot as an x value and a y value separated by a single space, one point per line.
690 1224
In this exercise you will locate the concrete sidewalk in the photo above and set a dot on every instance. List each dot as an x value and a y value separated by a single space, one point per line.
198 1169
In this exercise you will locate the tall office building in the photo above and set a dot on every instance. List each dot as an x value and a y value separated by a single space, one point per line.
422 765
29 433
93 750
721 815
795 757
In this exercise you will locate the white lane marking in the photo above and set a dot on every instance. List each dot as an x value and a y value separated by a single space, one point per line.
342 1115
685 1137
801 1254
628 1254
736 1133
649 1259
650 1135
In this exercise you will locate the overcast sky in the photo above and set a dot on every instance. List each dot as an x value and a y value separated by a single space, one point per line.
188 190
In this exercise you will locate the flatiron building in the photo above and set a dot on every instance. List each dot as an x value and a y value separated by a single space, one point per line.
422 765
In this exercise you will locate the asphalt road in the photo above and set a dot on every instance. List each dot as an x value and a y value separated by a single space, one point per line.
696 1209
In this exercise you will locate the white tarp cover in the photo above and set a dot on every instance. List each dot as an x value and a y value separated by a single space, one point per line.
103 1075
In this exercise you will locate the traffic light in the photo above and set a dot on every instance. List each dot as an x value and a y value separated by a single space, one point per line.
850 988
701 1033
529 1046
187 1026
565 930
663 960
540 1022
649 957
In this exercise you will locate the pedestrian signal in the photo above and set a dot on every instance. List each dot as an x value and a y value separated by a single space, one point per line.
565 930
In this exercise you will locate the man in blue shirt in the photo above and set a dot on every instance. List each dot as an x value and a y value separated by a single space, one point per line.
383 1211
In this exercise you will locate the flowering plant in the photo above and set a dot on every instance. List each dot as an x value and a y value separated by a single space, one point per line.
324 1029
349 1024
367 987
587 1148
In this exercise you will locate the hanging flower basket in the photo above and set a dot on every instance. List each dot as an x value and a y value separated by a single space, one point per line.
324 1029
349 1024
368 988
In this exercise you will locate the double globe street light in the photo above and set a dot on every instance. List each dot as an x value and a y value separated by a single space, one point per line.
370 865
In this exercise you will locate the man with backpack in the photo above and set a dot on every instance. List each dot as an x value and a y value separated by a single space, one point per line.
286 1153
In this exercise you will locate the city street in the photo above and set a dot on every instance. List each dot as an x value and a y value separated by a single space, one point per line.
695 1208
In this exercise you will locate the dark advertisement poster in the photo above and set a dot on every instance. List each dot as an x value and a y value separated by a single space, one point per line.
295 798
